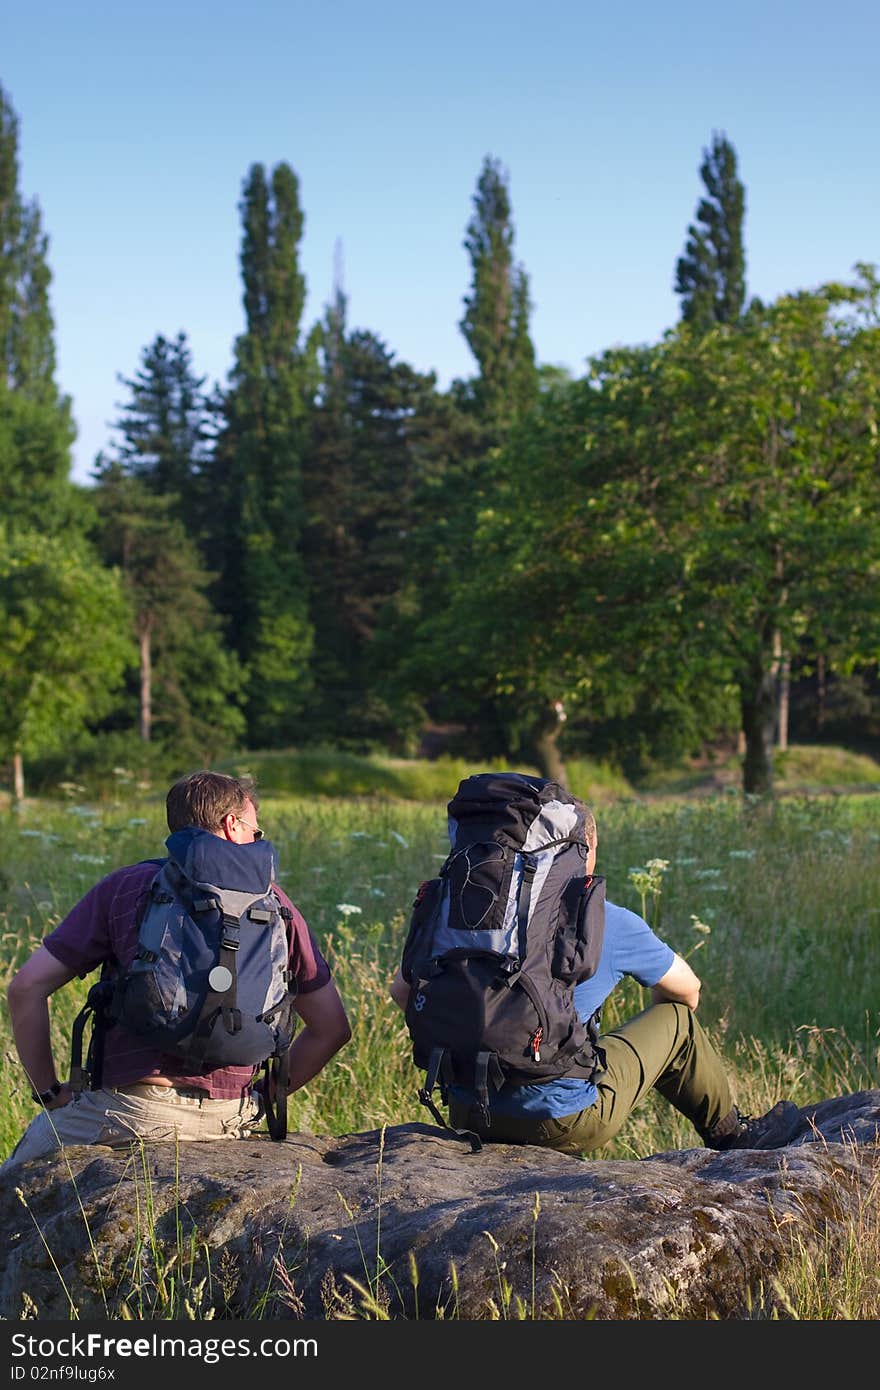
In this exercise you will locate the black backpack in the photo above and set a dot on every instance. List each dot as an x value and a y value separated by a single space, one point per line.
497 943
210 983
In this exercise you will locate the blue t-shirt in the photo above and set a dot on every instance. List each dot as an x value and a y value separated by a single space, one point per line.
629 948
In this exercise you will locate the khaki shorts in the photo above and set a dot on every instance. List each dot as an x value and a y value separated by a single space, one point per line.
116 1116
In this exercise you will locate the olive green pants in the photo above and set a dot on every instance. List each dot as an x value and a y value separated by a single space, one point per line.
665 1048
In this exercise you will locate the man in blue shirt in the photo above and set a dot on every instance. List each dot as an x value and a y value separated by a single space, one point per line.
663 1048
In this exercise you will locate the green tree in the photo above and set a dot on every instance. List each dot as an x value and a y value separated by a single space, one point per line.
496 318
377 439
27 344
36 429
255 479
726 498
746 464
536 648
166 431
190 687
64 643
711 274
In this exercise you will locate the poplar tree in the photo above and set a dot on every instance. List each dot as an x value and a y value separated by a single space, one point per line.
62 616
496 318
711 273
36 429
256 474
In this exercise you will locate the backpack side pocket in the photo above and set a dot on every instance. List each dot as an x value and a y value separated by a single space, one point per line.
580 929
415 946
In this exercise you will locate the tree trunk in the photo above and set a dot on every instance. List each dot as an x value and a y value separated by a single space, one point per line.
784 698
758 706
545 745
782 677
17 777
146 626
820 691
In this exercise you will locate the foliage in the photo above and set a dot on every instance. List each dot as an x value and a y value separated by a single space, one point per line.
36 429
255 476
35 442
377 440
64 641
496 317
190 686
710 275
540 636
27 347
167 427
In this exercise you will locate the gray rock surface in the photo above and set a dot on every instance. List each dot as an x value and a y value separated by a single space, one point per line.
410 1222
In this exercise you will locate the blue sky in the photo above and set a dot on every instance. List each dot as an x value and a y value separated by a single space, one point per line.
139 124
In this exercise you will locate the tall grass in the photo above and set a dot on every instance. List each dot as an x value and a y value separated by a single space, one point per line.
775 906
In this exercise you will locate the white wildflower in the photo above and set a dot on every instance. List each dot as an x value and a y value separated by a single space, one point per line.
348 909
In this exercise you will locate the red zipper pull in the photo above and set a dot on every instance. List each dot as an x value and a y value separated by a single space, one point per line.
535 1043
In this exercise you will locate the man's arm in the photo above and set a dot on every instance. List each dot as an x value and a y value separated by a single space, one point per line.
28 996
679 985
326 1030
399 990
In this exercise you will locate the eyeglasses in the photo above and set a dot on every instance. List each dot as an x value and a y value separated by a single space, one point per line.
257 832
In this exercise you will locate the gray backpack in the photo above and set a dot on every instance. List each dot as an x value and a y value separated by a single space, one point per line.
210 984
498 941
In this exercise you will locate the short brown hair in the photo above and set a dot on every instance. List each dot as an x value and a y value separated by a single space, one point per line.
204 798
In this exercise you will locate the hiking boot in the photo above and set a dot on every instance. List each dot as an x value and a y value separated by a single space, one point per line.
770 1131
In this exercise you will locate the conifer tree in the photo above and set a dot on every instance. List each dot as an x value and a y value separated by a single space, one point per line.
496 317
374 441
711 274
167 426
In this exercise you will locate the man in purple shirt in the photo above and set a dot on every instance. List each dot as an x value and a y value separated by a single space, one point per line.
144 1093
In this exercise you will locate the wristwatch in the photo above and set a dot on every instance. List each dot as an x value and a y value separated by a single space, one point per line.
43 1098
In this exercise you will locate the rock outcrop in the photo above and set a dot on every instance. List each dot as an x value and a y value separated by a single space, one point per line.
408 1222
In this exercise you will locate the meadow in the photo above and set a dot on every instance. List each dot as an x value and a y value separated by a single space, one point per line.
775 905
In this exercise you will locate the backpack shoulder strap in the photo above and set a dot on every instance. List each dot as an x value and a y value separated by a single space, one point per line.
96 1007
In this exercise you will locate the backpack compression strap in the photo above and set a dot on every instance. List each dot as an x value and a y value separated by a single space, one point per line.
218 1001
276 1074
438 1068
97 1001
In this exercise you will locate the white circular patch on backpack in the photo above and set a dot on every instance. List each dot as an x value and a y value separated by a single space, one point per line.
220 978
